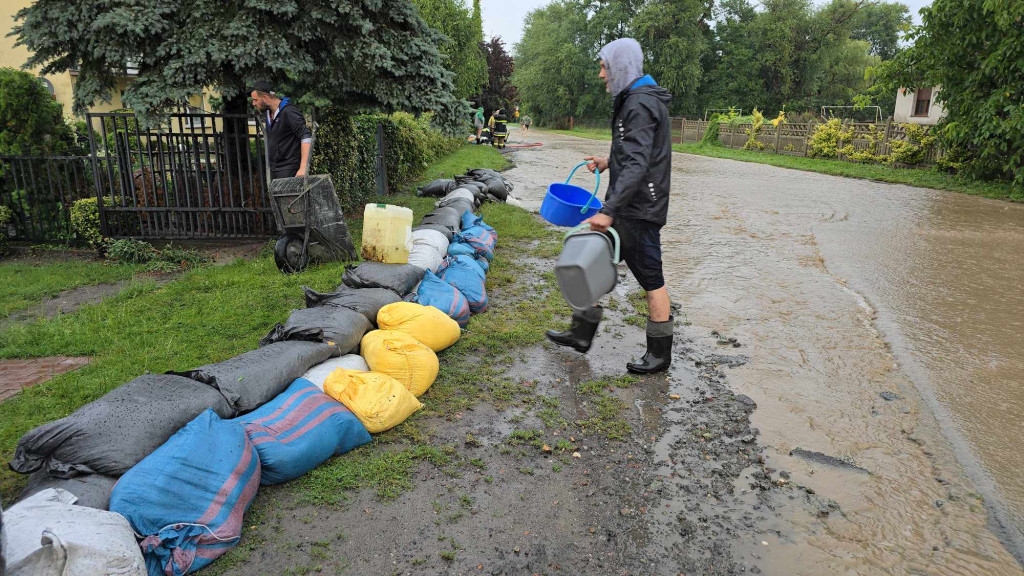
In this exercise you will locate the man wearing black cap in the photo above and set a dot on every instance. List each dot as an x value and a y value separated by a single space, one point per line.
288 138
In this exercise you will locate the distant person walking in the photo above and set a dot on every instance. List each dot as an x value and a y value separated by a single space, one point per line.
516 118
527 121
478 122
288 138
636 204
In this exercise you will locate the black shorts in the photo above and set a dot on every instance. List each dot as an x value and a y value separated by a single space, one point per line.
641 250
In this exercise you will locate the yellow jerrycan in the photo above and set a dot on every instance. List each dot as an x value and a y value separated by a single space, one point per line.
387 233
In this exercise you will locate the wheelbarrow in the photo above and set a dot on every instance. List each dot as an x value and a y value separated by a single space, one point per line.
310 220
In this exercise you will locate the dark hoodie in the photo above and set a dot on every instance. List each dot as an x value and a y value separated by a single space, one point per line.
641 156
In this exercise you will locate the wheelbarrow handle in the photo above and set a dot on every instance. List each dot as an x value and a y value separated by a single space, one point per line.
585 226
597 185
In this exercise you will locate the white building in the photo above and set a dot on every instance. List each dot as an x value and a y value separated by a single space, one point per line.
918 106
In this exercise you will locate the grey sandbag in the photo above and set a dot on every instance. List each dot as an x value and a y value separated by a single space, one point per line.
446 216
92 490
399 278
254 378
366 301
341 326
498 188
460 193
460 207
115 432
437 188
442 229
481 173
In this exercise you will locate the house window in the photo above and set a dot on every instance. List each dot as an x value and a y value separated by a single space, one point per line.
922 102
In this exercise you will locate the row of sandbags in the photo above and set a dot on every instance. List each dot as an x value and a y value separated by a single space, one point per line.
481 182
187 501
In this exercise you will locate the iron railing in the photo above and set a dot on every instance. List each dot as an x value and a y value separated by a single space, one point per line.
197 176
40 190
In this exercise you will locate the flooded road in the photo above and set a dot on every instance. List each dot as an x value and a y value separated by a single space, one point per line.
884 328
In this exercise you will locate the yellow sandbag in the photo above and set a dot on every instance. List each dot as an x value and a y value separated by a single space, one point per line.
424 323
402 357
378 400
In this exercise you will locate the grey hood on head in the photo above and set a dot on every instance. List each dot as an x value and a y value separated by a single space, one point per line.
624 63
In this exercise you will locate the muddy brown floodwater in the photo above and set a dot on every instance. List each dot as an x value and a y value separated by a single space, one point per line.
883 325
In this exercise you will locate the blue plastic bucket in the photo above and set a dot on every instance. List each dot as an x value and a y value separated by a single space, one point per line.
568 205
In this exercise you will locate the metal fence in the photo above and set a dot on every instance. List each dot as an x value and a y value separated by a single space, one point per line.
198 176
791 138
40 190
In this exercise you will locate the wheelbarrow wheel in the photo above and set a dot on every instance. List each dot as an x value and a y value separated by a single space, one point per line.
288 254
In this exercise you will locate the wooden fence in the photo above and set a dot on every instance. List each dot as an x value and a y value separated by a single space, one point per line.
792 138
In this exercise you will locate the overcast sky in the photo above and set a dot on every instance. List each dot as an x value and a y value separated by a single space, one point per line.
505 18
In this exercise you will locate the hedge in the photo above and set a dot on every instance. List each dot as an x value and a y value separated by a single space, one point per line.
346 148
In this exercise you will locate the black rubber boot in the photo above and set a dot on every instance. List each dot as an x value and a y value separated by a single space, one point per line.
580 335
659 349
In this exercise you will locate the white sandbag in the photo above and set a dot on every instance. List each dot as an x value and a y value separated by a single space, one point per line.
458 193
47 534
428 249
317 374
513 201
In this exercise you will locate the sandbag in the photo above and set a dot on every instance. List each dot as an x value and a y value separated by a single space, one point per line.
366 301
479 238
428 250
399 278
459 248
48 534
435 292
497 187
251 379
299 430
402 357
436 188
186 500
334 325
378 400
426 324
459 205
467 276
460 193
448 217
484 173
113 433
91 490
317 374
446 231
470 219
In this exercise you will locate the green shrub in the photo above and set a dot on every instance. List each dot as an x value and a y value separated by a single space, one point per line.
31 121
869 154
915 149
829 139
170 259
347 150
756 123
711 133
85 223
6 214
956 160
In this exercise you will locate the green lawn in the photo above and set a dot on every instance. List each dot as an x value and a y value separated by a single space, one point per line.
925 178
26 285
214 313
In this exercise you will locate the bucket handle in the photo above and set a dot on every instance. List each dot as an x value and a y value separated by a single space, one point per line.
615 235
597 185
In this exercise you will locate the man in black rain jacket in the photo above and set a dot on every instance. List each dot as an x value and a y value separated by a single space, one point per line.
636 204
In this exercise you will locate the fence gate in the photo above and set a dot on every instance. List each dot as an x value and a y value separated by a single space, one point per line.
197 176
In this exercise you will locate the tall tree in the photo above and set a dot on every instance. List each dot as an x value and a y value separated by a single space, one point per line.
881 25
499 92
973 51
556 68
675 36
732 77
463 33
348 53
33 122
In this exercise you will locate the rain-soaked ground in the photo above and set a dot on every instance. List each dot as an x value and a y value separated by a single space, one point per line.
882 327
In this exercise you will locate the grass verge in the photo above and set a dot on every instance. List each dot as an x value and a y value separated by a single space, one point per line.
923 177
25 285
